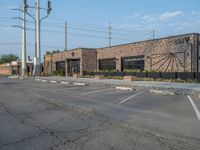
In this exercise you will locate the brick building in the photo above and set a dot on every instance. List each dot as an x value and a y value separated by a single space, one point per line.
171 54
14 68
74 61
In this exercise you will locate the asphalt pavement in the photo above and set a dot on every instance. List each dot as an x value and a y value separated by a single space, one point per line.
46 115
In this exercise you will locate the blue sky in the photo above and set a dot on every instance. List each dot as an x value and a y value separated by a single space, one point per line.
88 20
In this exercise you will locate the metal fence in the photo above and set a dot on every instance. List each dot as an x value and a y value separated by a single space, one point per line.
154 75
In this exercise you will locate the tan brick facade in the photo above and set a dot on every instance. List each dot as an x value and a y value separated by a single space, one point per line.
87 59
5 69
171 54
14 68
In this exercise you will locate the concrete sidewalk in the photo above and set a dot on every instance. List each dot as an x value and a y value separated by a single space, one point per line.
145 84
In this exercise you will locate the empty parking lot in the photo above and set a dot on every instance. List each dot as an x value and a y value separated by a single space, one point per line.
40 114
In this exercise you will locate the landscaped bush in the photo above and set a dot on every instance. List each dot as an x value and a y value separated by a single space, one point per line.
59 73
150 71
108 71
87 76
114 77
132 70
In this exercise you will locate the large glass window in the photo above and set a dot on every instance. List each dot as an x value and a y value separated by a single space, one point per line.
60 66
107 64
73 66
133 63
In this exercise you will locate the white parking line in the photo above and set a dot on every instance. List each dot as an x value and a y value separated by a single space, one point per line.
195 107
125 100
92 92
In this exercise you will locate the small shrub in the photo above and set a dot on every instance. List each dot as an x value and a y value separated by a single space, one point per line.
87 76
192 81
114 77
59 73
132 70
150 71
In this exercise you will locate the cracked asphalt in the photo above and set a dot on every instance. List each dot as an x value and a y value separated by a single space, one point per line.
47 116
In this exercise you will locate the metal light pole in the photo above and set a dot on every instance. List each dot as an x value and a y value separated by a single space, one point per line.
23 62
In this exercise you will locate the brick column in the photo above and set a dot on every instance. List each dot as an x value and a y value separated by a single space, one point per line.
118 63
66 68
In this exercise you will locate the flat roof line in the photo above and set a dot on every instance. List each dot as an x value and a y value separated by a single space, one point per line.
162 38
167 37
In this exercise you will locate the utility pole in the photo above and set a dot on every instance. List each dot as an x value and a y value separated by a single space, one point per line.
37 20
154 33
37 59
110 34
65 35
23 61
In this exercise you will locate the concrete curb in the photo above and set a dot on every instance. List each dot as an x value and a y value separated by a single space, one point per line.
124 88
44 81
66 83
165 92
54 82
38 80
80 84
170 90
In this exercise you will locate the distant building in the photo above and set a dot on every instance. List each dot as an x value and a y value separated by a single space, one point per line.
179 53
14 68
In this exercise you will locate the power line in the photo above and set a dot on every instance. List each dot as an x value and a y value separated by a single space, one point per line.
46 46
79 34
10 43
89 29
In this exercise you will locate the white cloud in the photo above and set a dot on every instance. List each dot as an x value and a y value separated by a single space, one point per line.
174 22
195 13
129 18
149 18
170 15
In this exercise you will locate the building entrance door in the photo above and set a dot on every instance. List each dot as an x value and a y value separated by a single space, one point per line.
73 66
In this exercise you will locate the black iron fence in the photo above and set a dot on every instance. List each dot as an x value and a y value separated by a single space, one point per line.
154 75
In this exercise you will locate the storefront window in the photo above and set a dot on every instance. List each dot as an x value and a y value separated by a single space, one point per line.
73 66
60 66
133 63
107 64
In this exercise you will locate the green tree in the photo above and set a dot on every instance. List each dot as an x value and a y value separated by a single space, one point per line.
55 51
8 58
48 52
